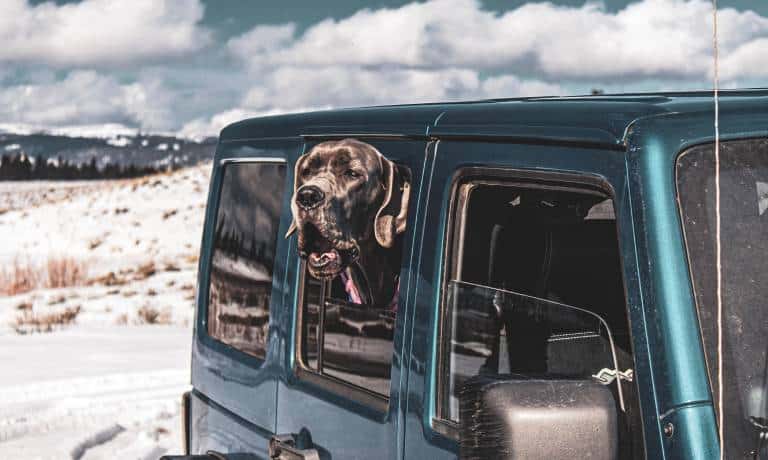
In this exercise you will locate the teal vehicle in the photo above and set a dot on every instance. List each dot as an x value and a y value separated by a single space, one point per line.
557 293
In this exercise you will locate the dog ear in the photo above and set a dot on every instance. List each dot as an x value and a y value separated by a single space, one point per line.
296 173
391 218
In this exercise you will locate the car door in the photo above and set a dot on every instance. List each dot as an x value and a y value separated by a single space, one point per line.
347 402
235 353
438 346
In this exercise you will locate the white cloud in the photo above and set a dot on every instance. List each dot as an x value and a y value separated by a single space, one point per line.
454 49
354 85
100 32
649 38
437 50
262 39
202 127
86 98
296 89
747 60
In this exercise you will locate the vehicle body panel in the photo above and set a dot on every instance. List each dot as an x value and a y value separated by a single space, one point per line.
594 165
628 141
240 383
357 431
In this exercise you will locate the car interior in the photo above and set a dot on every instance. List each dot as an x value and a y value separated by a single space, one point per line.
523 254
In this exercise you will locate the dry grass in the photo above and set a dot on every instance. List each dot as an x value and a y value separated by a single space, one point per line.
151 315
30 321
19 277
145 271
56 272
110 279
65 271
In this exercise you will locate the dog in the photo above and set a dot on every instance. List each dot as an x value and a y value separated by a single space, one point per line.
349 208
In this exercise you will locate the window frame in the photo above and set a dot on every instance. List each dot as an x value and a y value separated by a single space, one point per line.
257 361
368 400
329 383
453 244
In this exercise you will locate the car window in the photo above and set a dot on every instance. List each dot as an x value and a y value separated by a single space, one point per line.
344 338
243 257
534 290
743 352
350 342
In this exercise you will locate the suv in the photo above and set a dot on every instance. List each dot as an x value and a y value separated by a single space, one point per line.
556 292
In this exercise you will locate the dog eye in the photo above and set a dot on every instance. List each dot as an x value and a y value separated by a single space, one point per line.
305 172
351 173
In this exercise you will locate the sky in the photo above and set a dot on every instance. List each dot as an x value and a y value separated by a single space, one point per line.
192 66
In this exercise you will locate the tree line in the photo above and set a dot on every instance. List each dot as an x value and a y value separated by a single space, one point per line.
24 167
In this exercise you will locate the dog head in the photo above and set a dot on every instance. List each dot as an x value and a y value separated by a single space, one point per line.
347 197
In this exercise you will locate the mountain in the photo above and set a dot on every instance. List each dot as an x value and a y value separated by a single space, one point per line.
107 147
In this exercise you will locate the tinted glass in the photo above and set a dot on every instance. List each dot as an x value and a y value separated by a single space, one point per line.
357 338
244 255
744 236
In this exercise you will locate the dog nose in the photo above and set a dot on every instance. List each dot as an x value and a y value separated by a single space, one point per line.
309 196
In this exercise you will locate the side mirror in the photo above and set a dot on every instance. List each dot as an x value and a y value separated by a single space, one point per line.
537 419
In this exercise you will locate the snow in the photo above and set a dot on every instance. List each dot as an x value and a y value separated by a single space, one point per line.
241 268
107 131
100 131
112 226
120 141
76 383
109 385
12 147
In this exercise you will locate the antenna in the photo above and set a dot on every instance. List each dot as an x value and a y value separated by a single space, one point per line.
718 246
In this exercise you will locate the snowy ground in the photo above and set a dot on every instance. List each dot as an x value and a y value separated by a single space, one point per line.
109 384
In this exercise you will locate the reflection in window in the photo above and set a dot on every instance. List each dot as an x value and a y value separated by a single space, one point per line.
356 339
244 243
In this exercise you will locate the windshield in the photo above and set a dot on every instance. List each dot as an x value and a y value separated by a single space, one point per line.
744 237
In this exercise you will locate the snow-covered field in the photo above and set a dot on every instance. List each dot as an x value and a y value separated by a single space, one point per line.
108 384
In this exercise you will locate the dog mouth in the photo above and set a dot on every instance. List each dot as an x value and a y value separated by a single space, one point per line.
326 257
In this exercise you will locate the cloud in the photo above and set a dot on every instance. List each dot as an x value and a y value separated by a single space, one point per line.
86 98
345 86
297 89
649 38
202 127
436 50
100 32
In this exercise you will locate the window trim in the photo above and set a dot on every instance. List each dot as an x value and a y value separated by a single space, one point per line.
546 180
257 360
369 399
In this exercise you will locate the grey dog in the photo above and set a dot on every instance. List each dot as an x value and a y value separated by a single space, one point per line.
349 206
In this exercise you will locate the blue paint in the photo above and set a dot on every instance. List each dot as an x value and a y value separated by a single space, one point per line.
629 143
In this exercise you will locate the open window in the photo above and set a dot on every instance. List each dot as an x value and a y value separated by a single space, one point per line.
534 290
345 344
345 341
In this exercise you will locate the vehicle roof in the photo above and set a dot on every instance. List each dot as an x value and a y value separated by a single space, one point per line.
601 120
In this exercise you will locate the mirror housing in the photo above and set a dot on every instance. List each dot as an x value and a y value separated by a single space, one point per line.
537 419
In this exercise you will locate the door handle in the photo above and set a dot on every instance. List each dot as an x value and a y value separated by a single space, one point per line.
283 447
